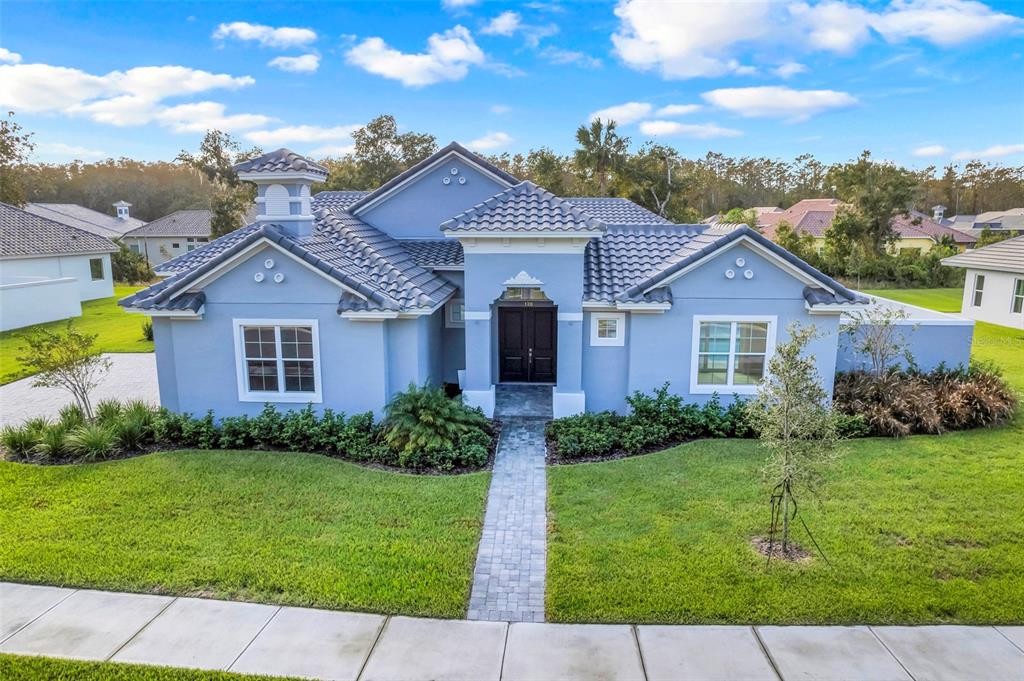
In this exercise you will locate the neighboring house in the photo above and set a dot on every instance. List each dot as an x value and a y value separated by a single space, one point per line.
1011 220
48 268
165 238
915 231
994 286
101 224
183 231
456 271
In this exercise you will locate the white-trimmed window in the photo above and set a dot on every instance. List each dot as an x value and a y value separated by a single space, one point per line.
730 353
96 269
1017 302
607 328
979 289
455 313
278 360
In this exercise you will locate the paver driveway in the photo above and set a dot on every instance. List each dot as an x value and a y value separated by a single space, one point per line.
132 376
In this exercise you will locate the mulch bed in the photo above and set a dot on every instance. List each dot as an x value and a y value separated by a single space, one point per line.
794 552
553 458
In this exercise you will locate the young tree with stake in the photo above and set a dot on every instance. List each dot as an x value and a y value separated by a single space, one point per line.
66 360
798 428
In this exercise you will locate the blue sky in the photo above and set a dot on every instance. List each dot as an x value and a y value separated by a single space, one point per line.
919 82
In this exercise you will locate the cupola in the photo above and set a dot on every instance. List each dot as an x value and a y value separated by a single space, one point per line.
283 180
122 210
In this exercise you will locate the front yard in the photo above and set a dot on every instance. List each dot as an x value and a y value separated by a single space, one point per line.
926 529
264 526
117 331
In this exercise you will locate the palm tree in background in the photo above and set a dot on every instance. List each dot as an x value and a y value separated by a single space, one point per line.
600 150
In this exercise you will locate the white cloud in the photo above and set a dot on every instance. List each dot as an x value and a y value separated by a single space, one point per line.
301 133
684 39
677 109
941 22
693 39
448 57
500 108
995 151
700 131
930 150
458 4
557 55
623 114
492 140
63 151
333 150
267 36
778 102
790 69
125 98
307 63
506 24
9 57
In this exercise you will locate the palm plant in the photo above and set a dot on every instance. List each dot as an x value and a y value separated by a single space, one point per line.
600 150
425 419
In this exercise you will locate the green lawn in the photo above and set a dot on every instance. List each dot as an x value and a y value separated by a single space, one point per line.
299 529
22 668
926 529
941 299
118 331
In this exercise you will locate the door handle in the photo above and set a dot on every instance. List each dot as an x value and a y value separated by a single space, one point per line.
530 353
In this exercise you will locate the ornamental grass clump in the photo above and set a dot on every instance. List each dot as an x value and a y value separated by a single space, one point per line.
92 442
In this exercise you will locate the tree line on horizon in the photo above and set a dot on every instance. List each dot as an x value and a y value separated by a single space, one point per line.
603 163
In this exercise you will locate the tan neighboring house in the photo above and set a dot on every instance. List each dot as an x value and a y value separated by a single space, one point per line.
916 231
994 286
170 236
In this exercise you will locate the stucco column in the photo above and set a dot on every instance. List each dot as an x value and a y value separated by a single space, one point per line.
568 397
478 388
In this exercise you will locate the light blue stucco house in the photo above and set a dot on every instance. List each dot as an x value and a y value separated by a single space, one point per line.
457 272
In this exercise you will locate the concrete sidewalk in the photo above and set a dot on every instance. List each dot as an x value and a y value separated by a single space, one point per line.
285 641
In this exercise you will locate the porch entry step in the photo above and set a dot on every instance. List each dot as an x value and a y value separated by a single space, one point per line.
523 400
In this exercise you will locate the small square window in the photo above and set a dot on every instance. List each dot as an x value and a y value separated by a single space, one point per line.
455 314
607 328
175 244
96 268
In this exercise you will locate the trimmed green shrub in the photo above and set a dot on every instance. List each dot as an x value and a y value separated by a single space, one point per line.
92 442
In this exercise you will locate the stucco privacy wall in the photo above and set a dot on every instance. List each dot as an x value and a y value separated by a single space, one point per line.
200 354
661 345
59 267
25 301
418 209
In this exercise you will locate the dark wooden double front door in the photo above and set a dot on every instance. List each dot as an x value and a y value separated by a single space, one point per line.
527 343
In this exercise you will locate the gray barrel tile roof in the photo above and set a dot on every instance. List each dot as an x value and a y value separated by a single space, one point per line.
617 211
280 161
337 200
523 208
434 253
23 234
182 223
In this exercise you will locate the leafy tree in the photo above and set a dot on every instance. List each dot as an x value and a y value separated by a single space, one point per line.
381 152
741 216
793 414
647 178
67 360
800 244
878 192
549 170
990 236
129 266
232 198
600 151
15 147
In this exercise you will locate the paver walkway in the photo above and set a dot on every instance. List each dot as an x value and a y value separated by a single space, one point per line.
285 641
508 581
132 376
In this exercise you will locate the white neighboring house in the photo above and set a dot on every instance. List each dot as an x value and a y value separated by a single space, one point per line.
89 220
170 236
994 288
47 269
